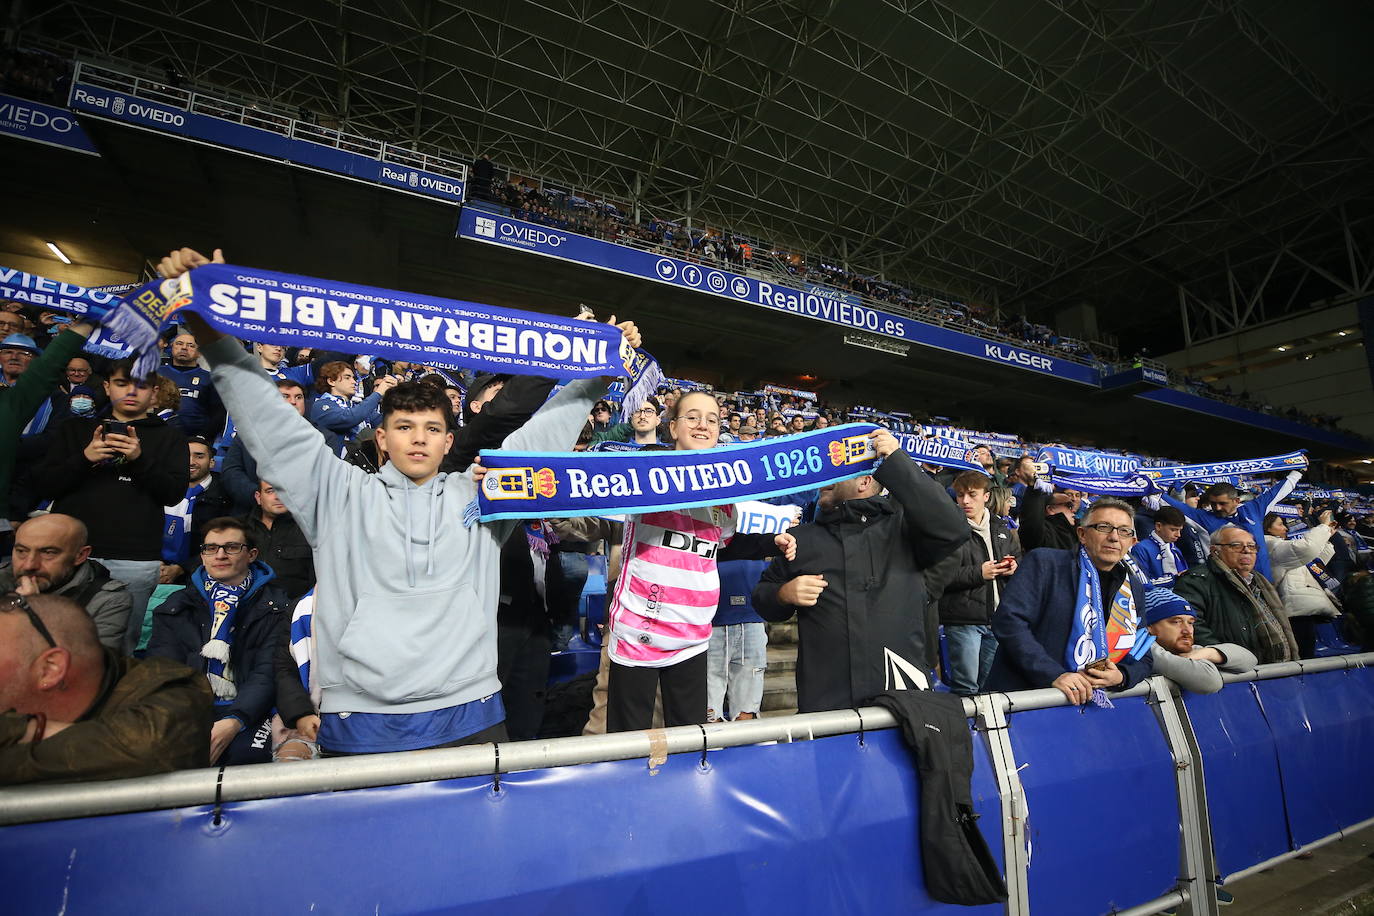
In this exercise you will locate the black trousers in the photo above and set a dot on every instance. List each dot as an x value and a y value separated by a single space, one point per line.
522 664
630 695
1305 633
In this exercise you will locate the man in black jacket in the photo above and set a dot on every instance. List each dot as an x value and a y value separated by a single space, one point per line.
856 583
973 578
281 543
116 474
1047 519
225 623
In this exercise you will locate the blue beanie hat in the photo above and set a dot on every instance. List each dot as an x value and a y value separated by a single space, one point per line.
1162 603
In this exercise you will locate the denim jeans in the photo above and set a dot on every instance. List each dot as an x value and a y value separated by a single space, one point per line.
735 662
564 580
141 577
970 649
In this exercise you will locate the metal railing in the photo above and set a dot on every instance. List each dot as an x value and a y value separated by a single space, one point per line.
207 786
265 116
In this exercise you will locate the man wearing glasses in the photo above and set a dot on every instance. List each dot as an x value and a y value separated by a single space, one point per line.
1048 638
1221 505
73 710
1234 601
224 624
642 430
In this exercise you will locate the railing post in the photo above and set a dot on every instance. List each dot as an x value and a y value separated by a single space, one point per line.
990 711
1197 861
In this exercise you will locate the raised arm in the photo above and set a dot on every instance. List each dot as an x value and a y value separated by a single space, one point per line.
932 522
512 407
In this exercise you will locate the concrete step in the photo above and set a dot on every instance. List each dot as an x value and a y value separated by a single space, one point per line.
782 633
782 657
779 691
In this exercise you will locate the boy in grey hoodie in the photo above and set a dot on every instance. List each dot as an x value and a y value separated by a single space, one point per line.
405 605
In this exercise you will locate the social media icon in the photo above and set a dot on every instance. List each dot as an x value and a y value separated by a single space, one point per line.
691 275
666 269
716 281
740 287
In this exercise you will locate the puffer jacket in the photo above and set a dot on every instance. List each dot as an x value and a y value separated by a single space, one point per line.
1302 594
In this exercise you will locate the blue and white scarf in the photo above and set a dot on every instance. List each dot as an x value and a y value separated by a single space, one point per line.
1135 485
1082 461
224 604
1293 461
947 453
176 525
1088 633
298 311
302 638
562 485
70 299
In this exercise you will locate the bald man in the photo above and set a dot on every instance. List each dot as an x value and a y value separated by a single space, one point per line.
75 710
51 557
200 412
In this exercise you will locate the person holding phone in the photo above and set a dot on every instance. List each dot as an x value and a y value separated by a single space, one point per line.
973 578
116 473
1038 623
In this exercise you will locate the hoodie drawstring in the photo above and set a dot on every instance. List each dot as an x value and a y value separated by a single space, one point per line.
433 516
410 564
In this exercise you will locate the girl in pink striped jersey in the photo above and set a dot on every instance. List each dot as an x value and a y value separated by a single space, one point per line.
661 610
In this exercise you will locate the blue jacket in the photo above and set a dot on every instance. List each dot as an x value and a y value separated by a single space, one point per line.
181 626
199 413
340 424
1033 621
1149 556
1249 516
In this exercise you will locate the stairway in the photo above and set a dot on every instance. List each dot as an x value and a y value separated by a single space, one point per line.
780 680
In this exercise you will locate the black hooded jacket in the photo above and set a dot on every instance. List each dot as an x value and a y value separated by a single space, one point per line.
872 553
121 503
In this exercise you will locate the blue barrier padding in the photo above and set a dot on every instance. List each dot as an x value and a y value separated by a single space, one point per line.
1331 641
1323 725
579 658
593 614
1244 792
1103 807
826 826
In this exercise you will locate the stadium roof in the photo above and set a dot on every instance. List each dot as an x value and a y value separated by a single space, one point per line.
1027 153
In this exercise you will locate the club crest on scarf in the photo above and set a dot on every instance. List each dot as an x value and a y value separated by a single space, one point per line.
520 483
850 450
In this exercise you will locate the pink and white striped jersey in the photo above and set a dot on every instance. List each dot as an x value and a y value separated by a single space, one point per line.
666 596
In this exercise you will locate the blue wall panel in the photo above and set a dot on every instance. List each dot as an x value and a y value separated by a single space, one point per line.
1103 807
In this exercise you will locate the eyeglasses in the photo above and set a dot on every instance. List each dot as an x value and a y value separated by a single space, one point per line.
18 601
1104 528
78 372
233 549
646 410
1243 548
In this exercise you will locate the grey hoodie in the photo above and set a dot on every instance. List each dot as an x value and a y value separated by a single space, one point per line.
405 605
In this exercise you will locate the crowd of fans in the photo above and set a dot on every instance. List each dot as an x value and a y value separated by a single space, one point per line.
1223 392
538 202
548 205
35 75
254 551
